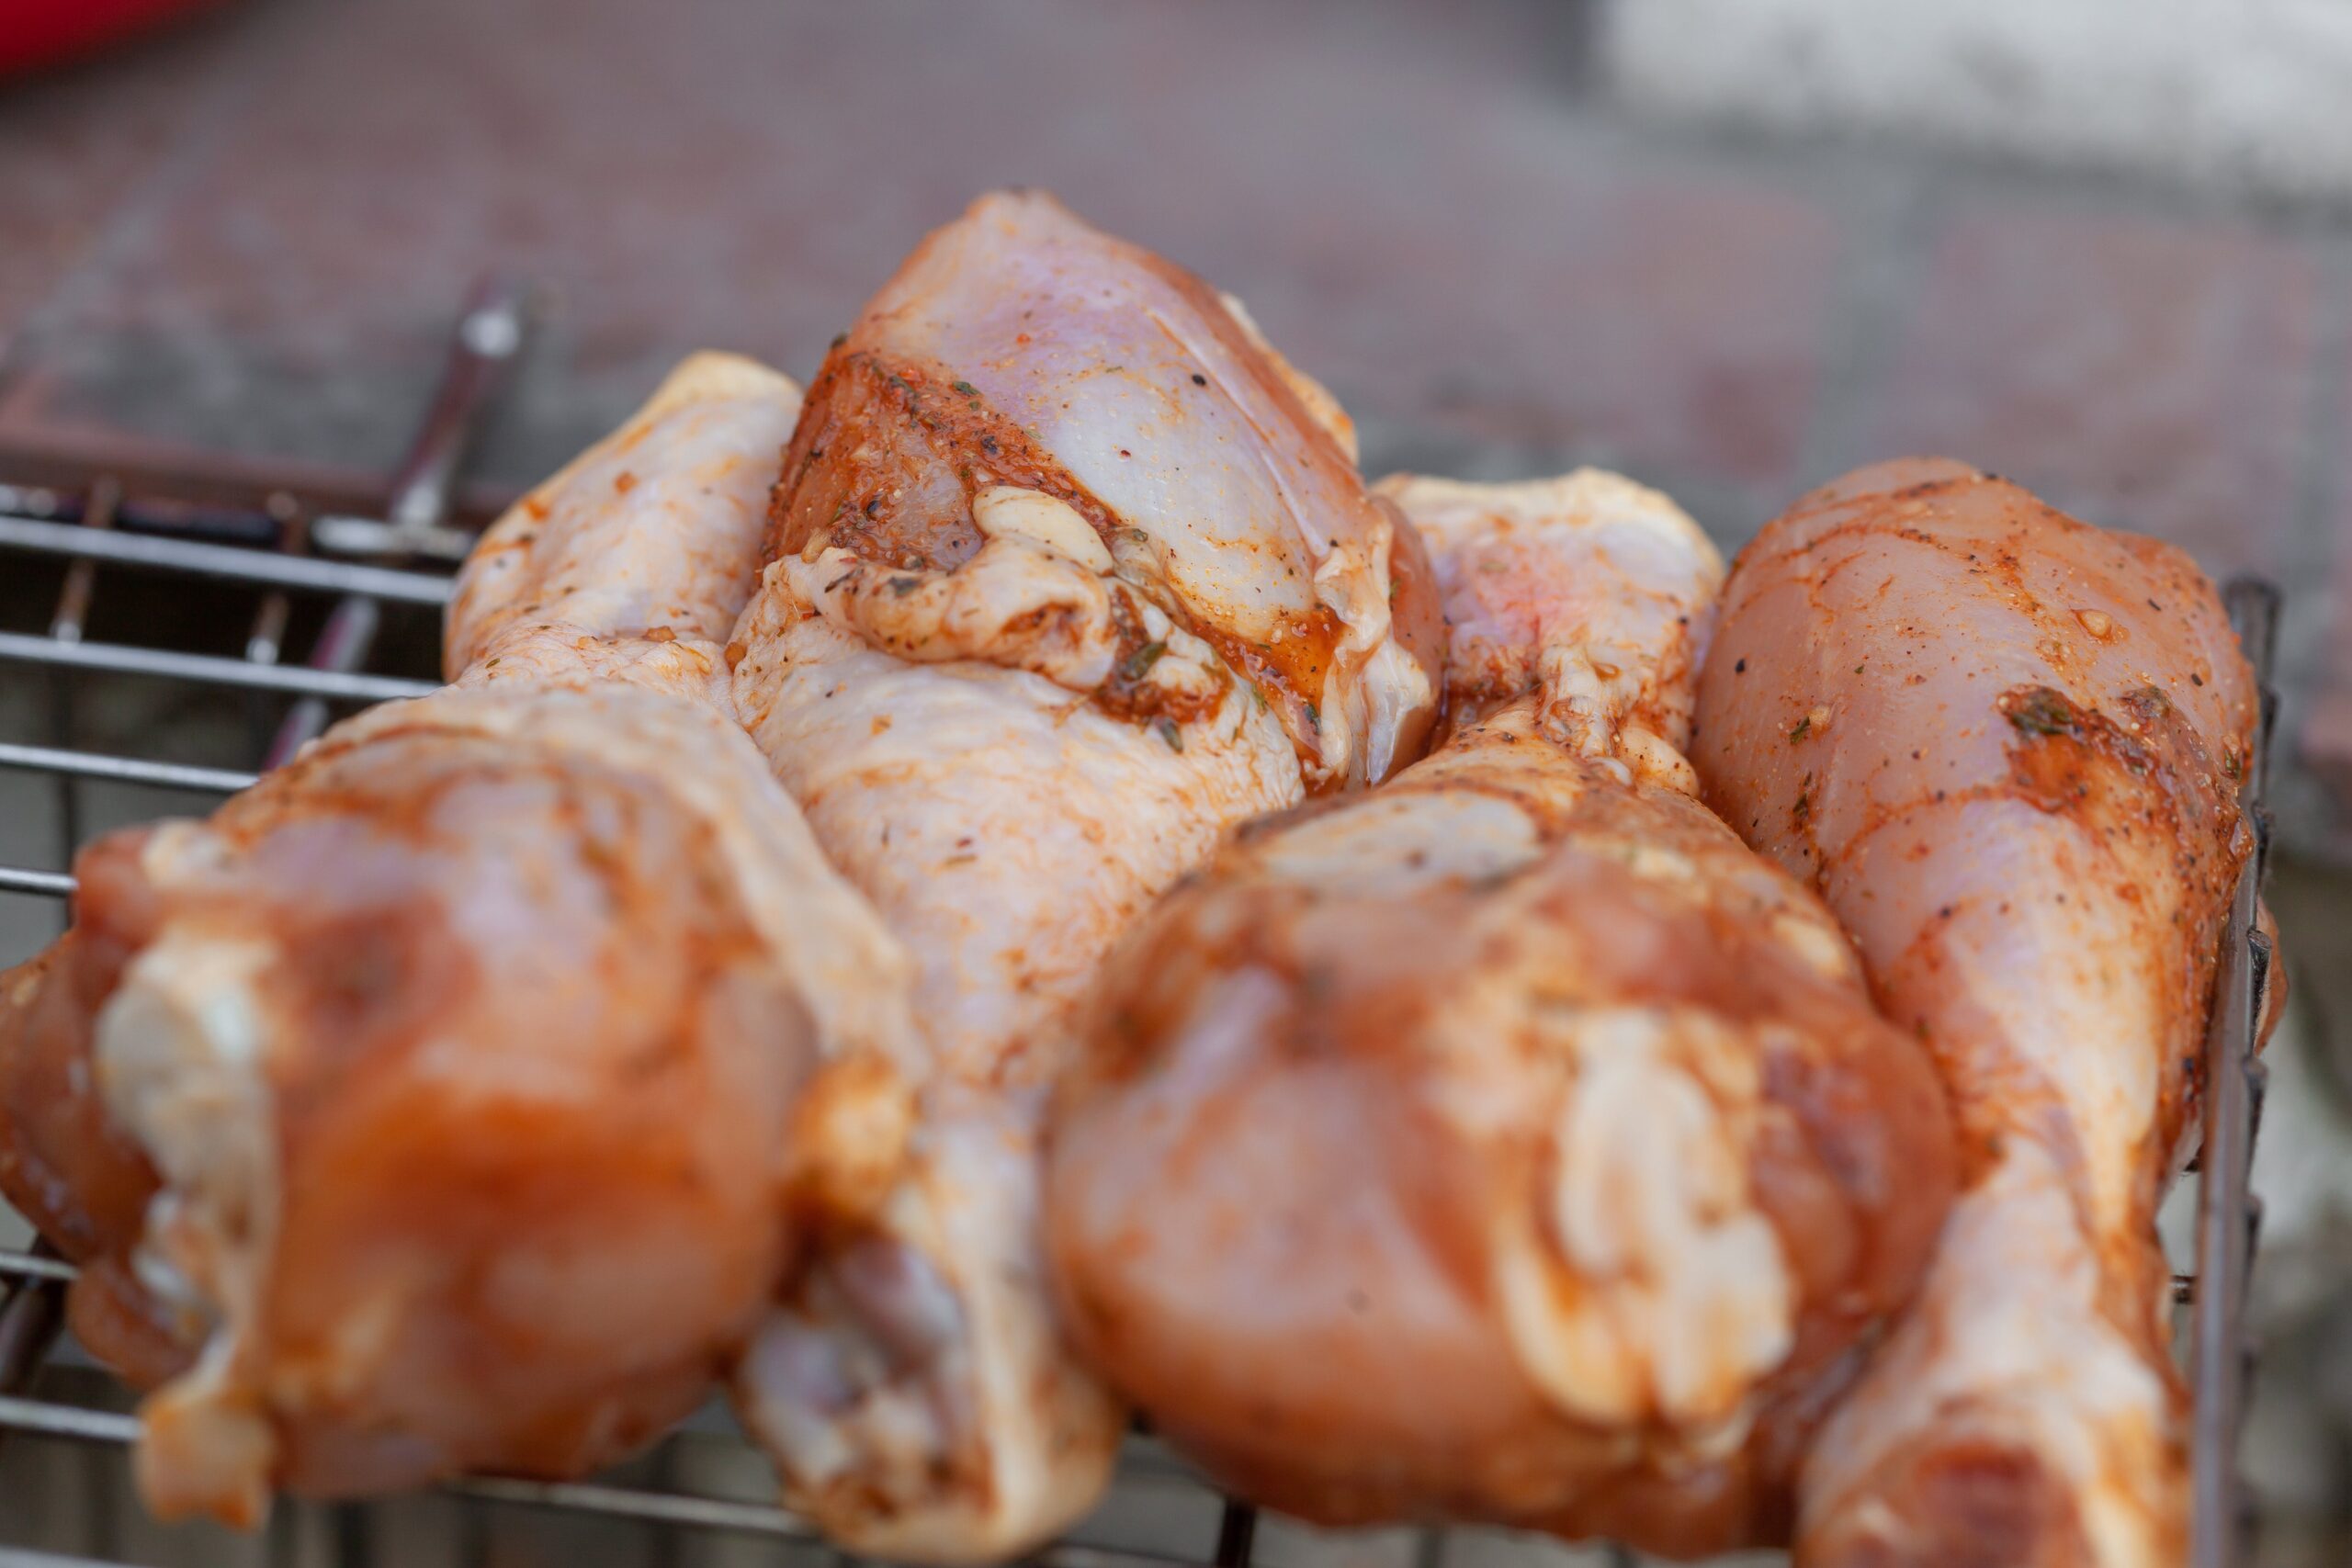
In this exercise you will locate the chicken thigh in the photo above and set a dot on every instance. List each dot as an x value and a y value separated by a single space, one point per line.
2006 746
426 1109
1067 572
1511 1143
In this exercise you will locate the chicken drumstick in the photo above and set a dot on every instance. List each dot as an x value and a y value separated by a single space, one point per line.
1069 572
426 1109
1510 1143
2006 746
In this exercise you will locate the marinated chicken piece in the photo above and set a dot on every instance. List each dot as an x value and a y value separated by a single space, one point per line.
426 1109
1067 572
2006 746
1509 1144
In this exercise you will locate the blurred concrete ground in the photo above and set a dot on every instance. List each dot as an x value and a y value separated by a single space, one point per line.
2215 92
251 234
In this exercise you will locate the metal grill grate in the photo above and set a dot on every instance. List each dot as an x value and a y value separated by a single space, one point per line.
284 547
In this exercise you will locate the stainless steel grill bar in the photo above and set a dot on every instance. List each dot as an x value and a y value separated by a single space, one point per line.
647 1508
30 1324
1070 1554
68 624
230 562
18 1414
343 535
121 660
2228 1213
49 883
74 602
10 1557
194 494
1237 1534
488 336
267 636
36 1266
123 770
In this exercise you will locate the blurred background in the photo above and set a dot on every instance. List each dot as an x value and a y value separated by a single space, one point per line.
1731 247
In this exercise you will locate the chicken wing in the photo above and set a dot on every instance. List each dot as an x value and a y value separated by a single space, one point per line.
1067 572
425 1108
1510 1143
2006 746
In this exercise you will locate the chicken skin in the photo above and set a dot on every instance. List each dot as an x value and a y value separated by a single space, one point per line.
2006 746
1509 1144
1067 572
425 1110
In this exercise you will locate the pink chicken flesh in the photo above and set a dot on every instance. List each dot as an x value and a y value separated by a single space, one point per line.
2006 746
425 1108
1510 1143
1067 572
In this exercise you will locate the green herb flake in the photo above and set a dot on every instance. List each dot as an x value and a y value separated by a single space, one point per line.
1801 729
2041 712
965 387
902 586
1167 729
1137 665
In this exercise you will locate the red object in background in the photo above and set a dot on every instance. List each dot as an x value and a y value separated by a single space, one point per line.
42 32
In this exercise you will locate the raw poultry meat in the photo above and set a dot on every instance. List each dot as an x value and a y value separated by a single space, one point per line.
2006 746
426 1109
1069 571
1509 1143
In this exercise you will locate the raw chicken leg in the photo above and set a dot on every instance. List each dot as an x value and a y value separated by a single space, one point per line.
2006 746
426 1109
1511 1143
1069 572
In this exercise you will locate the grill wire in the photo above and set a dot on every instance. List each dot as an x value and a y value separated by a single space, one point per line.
254 532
